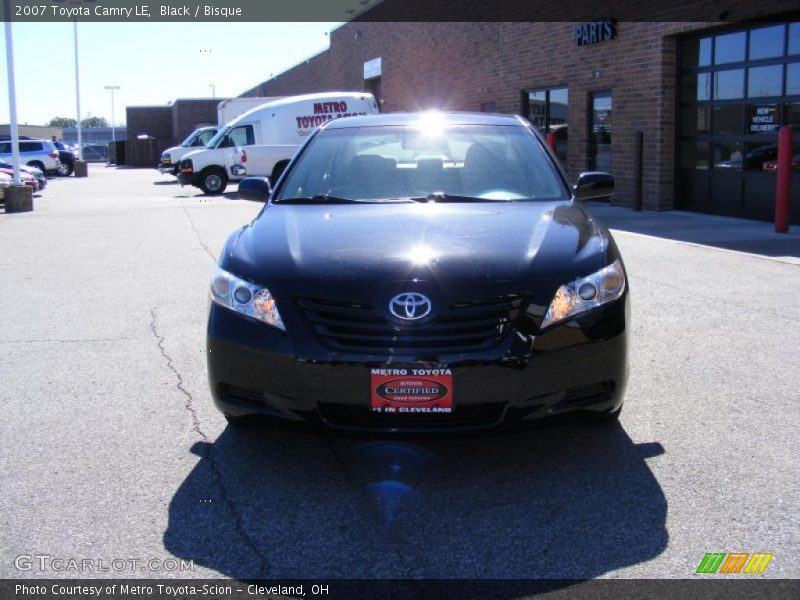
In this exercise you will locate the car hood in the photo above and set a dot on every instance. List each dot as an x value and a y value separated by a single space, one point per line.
193 153
515 247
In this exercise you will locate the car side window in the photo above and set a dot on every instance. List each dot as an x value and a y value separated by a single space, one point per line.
30 146
5 148
204 138
242 136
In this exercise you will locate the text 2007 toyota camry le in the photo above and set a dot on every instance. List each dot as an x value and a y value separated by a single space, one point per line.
425 271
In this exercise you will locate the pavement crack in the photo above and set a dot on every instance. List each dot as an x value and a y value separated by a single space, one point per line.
189 403
197 234
205 451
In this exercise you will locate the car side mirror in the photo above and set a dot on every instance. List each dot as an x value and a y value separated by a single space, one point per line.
592 185
256 189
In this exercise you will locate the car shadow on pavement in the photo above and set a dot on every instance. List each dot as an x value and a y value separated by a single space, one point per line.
567 501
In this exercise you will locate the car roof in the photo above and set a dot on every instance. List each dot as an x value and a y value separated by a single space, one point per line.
450 118
31 141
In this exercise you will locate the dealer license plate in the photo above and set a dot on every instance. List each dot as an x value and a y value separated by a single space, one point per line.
411 390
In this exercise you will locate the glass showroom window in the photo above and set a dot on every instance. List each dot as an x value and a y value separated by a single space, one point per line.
736 90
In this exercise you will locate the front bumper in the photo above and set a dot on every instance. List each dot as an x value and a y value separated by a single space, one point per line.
187 178
168 169
253 369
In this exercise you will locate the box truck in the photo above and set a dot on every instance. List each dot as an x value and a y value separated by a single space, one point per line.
229 109
268 137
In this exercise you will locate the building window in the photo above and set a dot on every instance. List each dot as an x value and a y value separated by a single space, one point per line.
740 80
736 90
548 110
600 134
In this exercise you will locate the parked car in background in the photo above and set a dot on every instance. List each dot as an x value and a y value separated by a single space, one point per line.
67 157
171 157
5 181
36 153
40 177
26 178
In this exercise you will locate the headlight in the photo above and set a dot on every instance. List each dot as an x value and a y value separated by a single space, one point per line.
244 297
584 294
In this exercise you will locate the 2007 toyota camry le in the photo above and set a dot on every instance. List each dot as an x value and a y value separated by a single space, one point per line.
420 272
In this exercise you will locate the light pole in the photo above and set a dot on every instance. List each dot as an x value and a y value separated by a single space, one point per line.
78 91
112 88
213 90
12 96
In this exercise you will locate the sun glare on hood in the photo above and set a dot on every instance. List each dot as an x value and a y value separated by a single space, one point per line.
422 255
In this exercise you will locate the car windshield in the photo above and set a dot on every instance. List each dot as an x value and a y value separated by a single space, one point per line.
212 143
188 141
457 163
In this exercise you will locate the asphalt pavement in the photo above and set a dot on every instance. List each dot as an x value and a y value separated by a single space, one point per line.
111 447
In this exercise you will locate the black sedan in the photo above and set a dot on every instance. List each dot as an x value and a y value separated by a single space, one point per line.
420 272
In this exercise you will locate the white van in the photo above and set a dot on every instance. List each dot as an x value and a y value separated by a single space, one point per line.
268 136
171 157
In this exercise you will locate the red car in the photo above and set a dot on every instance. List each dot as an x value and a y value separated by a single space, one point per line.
26 178
772 165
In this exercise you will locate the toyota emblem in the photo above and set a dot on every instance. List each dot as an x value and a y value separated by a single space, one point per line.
410 306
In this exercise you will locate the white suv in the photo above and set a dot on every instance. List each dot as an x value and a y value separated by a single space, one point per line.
36 153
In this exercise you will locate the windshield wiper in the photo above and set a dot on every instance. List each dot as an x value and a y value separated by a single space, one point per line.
442 197
328 199
317 199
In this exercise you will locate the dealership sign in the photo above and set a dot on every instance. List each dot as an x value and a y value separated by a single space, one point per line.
763 118
372 68
595 32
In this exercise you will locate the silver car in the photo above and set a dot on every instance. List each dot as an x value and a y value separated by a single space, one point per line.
35 153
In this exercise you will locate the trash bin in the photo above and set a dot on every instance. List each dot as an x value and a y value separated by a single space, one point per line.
81 168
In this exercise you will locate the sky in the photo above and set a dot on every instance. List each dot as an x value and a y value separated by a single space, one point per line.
154 63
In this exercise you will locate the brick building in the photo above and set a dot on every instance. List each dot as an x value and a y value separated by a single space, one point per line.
708 95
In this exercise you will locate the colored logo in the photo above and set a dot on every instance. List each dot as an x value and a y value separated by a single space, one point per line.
412 391
734 562
410 306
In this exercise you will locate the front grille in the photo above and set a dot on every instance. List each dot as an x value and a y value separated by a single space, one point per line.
468 416
463 326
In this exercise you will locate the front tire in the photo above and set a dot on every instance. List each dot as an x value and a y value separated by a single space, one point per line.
213 181
66 169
